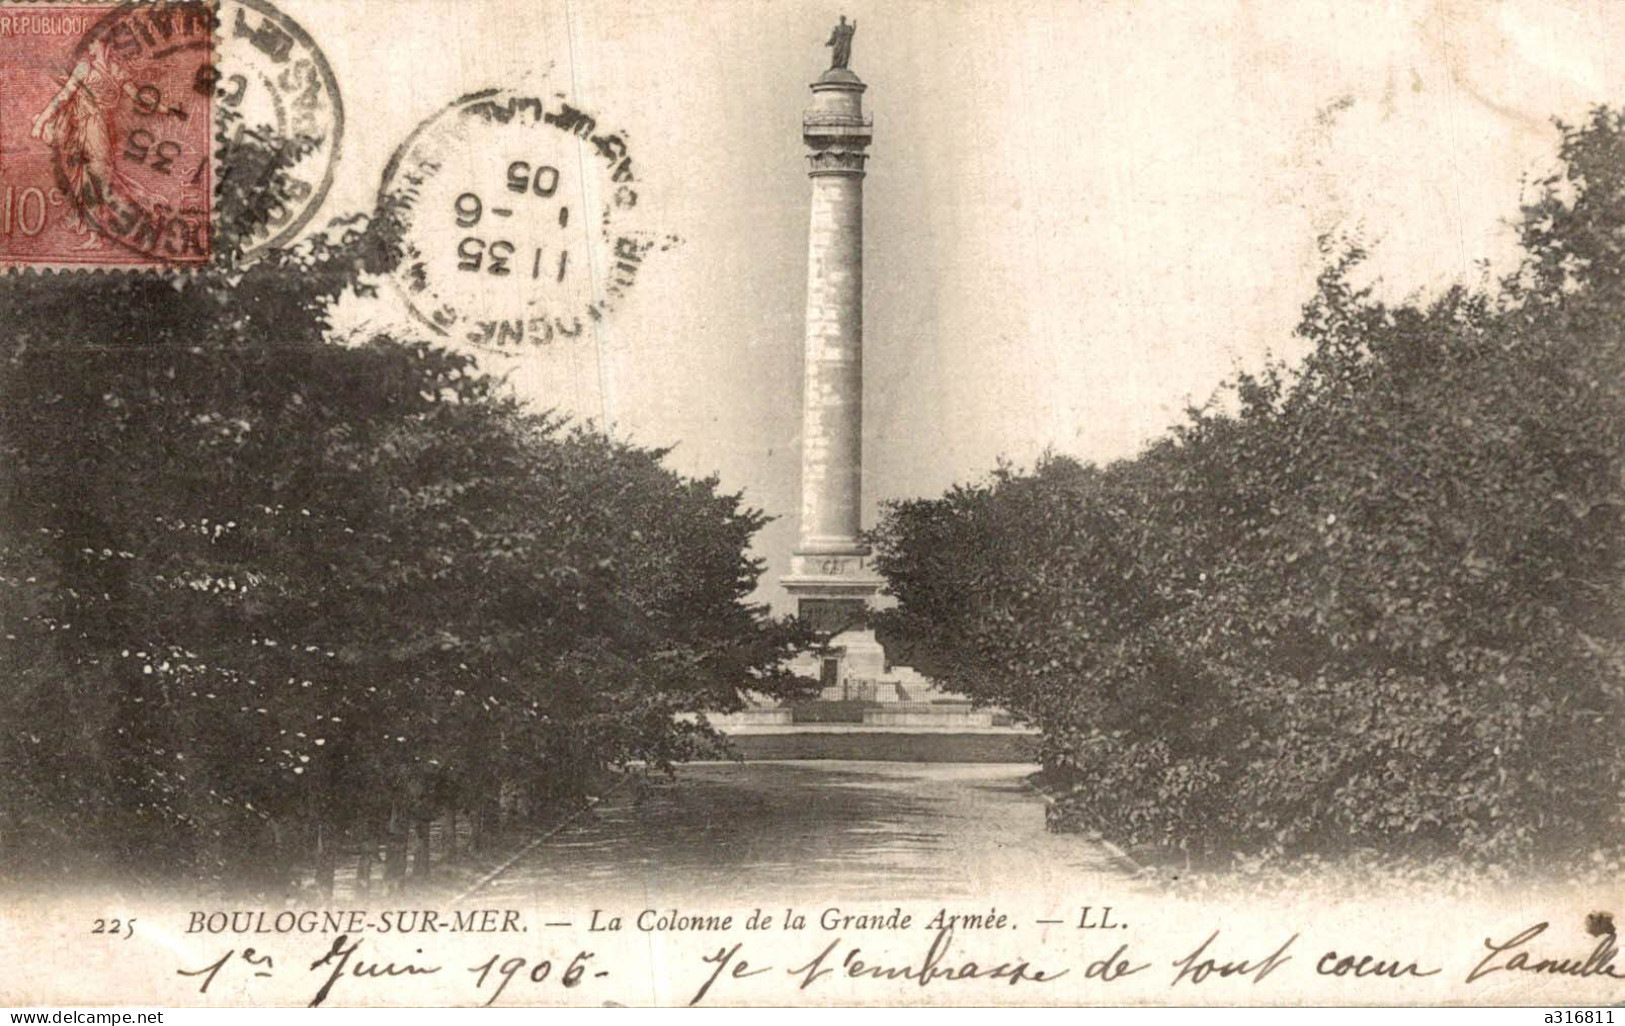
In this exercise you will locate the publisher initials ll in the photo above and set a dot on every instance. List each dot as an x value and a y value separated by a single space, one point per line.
1101 922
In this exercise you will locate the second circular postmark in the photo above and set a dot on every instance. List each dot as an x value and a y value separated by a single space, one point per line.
521 219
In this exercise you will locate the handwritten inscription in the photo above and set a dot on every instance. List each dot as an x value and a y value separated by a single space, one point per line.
342 962
886 947
1513 956
1195 968
934 966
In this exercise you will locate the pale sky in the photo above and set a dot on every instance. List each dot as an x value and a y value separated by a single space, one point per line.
1079 216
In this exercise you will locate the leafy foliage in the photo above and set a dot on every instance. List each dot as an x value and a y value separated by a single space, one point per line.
261 590
1374 600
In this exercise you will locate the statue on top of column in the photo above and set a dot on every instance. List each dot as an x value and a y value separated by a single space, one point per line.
840 40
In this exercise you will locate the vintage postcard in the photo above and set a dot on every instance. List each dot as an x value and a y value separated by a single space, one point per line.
727 502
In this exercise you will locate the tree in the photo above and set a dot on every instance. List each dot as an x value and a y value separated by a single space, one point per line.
264 591
1371 600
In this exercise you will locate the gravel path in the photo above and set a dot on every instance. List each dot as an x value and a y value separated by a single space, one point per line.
820 830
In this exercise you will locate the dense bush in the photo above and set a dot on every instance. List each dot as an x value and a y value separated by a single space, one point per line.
1370 601
263 595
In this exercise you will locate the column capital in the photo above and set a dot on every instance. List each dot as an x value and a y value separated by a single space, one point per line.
841 162
835 128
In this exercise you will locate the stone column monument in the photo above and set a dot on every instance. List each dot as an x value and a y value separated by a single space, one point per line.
830 576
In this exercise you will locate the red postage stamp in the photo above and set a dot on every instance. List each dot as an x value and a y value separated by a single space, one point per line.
106 134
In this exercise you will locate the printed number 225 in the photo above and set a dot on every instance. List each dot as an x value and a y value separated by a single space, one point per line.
114 927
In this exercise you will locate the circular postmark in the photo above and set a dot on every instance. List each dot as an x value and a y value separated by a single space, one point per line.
280 119
518 217
131 131
189 128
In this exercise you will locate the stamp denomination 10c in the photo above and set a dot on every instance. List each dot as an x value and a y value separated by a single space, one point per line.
106 134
